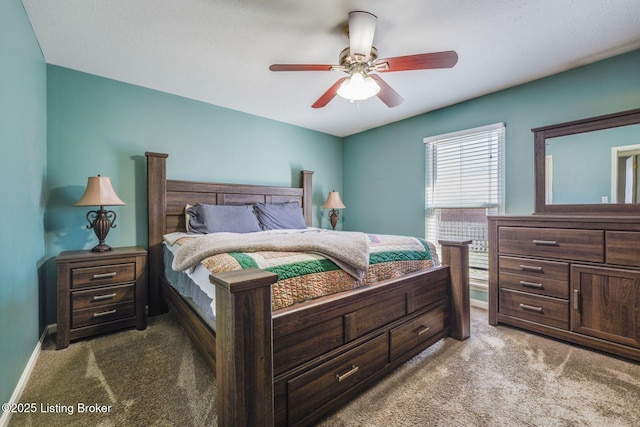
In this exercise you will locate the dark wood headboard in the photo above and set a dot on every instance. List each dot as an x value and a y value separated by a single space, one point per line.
166 200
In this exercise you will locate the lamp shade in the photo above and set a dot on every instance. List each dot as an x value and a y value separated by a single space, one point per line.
99 192
333 201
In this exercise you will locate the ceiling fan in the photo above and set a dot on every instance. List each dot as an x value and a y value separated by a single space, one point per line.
360 59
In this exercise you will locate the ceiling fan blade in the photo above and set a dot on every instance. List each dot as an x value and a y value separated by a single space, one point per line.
329 94
387 94
301 67
424 61
362 27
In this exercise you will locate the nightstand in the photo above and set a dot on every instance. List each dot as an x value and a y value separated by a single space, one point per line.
100 292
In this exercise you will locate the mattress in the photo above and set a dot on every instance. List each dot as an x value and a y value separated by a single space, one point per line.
194 286
303 276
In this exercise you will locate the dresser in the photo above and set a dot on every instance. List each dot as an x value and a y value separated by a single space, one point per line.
575 278
100 292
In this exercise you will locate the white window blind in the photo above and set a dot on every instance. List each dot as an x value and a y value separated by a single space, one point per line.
464 183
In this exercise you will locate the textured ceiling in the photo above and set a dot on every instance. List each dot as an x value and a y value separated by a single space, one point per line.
219 51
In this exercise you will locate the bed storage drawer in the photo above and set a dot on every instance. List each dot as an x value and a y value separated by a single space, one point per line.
104 274
536 308
580 245
333 328
334 377
549 278
417 330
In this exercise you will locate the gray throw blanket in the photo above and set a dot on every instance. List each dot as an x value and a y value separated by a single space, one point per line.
349 250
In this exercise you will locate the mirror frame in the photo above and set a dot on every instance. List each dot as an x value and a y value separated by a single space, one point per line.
623 118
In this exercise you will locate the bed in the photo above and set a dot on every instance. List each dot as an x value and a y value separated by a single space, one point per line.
294 365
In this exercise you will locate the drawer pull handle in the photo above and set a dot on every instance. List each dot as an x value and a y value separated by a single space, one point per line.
422 330
531 284
576 297
104 297
104 275
530 268
104 313
531 308
346 375
545 242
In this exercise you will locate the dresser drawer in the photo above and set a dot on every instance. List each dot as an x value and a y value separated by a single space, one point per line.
102 296
104 274
416 331
535 308
106 313
549 278
570 244
623 248
334 377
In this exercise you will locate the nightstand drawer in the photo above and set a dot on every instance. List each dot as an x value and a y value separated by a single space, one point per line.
102 296
549 278
104 274
105 313
535 308
580 245
416 331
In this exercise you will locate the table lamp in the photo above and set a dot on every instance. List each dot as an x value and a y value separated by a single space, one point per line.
333 202
99 192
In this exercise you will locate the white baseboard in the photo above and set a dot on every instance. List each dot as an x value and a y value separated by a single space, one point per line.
479 304
17 392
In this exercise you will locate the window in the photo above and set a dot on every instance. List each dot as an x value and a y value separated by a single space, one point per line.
464 183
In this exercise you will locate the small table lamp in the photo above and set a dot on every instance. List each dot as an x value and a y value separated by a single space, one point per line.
99 192
333 202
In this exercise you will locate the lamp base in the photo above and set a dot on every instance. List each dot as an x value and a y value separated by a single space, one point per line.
101 221
333 218
101 247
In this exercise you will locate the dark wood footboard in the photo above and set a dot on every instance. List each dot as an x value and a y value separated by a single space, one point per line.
293 366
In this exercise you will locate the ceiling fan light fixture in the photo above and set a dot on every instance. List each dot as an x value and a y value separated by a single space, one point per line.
358 87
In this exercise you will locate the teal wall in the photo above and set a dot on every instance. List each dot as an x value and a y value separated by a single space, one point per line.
102 126
384 168
22 172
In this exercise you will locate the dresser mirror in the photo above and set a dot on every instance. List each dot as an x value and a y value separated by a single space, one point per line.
589 166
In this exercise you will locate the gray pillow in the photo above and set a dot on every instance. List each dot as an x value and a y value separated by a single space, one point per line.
205 219
280 215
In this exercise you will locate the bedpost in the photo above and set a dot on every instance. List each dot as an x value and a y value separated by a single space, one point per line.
157 213
455 254
307 196
244 348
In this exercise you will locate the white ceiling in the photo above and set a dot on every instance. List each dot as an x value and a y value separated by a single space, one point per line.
219 51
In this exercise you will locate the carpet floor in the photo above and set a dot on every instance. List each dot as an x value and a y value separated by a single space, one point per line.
500 376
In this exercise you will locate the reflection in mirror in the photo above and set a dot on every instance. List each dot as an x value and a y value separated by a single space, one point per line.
598 167
590 166
624 174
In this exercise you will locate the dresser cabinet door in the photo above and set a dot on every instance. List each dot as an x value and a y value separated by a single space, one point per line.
605 303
